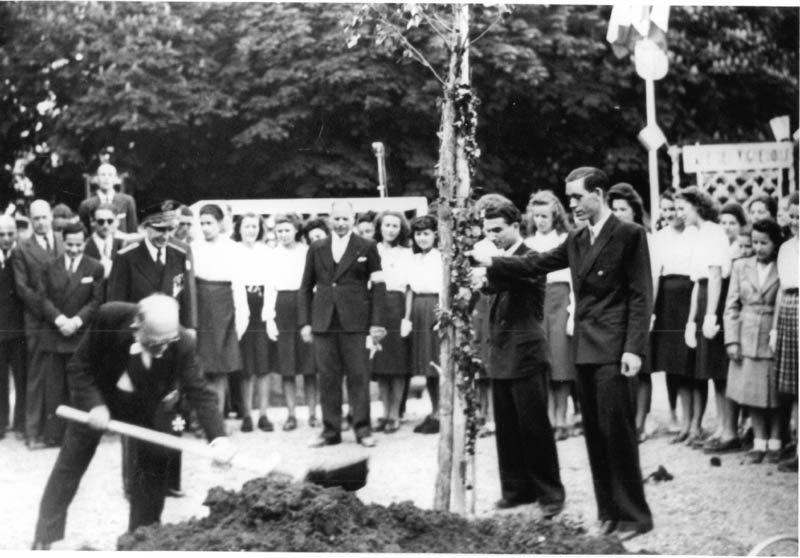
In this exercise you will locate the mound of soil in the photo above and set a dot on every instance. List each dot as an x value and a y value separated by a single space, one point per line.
274 514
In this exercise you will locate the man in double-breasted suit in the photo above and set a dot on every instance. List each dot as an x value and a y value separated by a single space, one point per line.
28 259
123 205
70 289
12 334
337 307
134 364
610 267
518 368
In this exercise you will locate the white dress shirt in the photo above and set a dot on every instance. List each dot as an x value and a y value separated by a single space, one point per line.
221 260
288 264
594 230
257 269
710 249
763 272
426 272
673 250
44 239
154 252
395 263
339 245
72 265
787 264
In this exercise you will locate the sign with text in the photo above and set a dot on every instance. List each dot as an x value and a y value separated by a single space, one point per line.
737 156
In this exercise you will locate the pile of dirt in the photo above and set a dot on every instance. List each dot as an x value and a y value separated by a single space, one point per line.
274 514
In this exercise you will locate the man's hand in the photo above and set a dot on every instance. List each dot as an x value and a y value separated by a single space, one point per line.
68 327
222 452
690 335
405 327
272 330
710 327
734 352
631 364
305 333
60 320
477 277
773 340
99 417
377 333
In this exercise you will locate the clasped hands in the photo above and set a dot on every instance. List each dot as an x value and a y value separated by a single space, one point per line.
68 326
375 332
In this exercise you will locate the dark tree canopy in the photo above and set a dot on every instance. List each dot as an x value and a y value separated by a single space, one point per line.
268 100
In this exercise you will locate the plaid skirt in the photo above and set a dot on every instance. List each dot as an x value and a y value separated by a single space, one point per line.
786 354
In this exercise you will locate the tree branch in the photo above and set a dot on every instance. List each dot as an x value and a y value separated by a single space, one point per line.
492 24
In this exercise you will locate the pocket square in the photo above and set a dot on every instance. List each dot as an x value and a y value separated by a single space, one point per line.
362 259
85 280
124 383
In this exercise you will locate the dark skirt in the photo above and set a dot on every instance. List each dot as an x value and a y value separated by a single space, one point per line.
711 358
424 340
480 323
253 345
786 353
295 356
217 342
556 300
392 359
667 345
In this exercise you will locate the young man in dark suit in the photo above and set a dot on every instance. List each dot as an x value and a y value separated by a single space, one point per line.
70 289
124 206
28 260
518 368
102 245
610 267
338 309
12 334
134 364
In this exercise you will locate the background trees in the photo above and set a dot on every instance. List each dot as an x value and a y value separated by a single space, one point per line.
267 100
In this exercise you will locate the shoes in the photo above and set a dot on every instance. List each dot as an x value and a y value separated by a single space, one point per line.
290 424
549 511
247 424
321 441
607 526
679 438
506 503
347 423
35 444
367 442
754 457
264 424
380 425
313 422
716 445
428 426
175 493
772 456
696 441
625 533
39 545
788 465
392 426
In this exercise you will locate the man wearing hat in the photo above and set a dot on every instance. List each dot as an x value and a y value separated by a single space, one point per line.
156 265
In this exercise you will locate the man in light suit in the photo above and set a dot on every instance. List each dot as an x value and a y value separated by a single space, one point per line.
124 206
102 244
337 308
518 368
12 334
28 260
70 289
610 267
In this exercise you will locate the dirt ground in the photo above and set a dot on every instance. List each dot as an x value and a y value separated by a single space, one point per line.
705 510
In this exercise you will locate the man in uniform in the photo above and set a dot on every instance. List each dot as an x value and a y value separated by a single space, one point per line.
134 364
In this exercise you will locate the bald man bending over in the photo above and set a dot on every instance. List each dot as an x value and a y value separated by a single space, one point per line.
133 364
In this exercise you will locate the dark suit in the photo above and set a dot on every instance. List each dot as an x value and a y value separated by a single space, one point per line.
340 312
75 294
124 209
28 260
613 291
12 349
94 375
518 368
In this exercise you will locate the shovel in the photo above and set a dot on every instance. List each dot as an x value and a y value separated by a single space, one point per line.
349 475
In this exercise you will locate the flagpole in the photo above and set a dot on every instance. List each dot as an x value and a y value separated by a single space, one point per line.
652 153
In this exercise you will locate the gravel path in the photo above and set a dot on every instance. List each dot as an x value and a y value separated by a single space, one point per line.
705 510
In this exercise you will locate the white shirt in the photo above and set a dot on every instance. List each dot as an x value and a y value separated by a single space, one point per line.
154 251
221 260
105 245
288 265
672 251
105 197
339 245
426 272
544 243
74 264
597 227
763 272
395 263
43 243
787 264
257 269
710 250
3 258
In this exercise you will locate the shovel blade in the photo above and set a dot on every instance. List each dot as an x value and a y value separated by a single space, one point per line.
348 476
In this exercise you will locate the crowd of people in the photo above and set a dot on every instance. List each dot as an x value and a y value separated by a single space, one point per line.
296 298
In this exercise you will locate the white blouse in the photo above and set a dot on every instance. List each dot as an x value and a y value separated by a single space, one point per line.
256 270
546 242
787 264
287 266
222 260
395 263
710 248
425 272
672 251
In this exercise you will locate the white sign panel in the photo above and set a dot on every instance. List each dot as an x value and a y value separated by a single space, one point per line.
737 156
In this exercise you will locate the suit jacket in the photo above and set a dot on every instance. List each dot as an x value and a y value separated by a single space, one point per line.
103 356
518 346
77 294
11 309
612 284
28 260
343 287
124 208
749 308
135 275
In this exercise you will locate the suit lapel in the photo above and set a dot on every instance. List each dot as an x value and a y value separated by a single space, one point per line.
606 233
349 256
147 267
37 252
772 278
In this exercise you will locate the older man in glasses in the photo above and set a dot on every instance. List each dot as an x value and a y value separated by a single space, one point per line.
134 364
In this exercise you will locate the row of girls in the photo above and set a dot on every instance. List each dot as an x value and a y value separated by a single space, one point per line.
247 289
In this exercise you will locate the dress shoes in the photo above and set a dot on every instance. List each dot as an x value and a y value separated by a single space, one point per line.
788 465
625 531
506 503
264 424
549 511
290 424
772 456
321 441
247 424
380 425
367 442
717 445
607 526
428 426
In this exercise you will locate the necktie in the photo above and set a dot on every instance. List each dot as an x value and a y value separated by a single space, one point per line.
591 236
71 266
160 257
47 246
5 257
